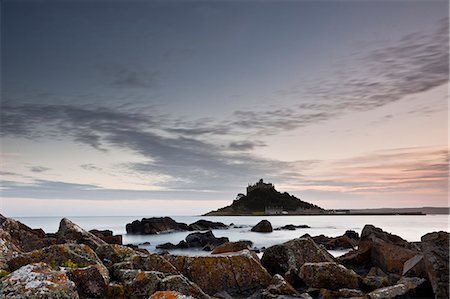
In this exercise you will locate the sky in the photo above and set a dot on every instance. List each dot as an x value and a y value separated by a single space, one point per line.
174 107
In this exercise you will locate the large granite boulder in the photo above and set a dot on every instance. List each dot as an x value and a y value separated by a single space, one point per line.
381 249
23 237
435 248
205 240
107 236
407 287
155 225
239 273
140 284
63 255
328 275
91 281
37 280
232 247
264 226
206 225
287 258
146 262
69 232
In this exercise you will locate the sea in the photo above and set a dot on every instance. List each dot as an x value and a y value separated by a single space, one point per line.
409 227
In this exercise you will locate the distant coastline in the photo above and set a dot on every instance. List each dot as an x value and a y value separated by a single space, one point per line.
353 212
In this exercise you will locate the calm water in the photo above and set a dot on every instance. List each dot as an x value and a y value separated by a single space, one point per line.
410 228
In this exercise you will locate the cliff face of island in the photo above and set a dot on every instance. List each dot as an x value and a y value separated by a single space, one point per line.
263 199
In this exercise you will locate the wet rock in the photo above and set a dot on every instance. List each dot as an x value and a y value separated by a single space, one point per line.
139 284
111 254
169 295
238 273
435 248
329 275
287 258
168 246
263 226
204 239
91 281
232 247
206 225
107 236
69 232
155 225
37 281
407 287
23 237
292 227
63 255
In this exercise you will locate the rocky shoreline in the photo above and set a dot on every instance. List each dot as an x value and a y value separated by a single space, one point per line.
75 263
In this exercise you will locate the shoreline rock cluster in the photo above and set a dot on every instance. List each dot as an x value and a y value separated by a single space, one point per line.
75 263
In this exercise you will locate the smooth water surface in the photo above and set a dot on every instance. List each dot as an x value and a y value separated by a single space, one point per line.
410 227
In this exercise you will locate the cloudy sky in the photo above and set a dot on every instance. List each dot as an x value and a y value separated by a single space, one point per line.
173 107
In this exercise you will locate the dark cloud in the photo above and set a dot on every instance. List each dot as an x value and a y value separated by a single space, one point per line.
245 145
39 169
128 77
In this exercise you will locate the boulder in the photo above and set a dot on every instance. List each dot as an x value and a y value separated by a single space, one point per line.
435 248
407 287
328 275
287 258
37 280
63 255
155 225
169 295
352 234
203 240
263 226
23 237
148 262
206 225
232 247
69 232
292 227
107 236
91 281
378 248
238 273
139 284
8 249
111 254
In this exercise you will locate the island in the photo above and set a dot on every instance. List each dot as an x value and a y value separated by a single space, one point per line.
263 199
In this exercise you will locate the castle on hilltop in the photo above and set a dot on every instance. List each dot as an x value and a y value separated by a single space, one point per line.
260 185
